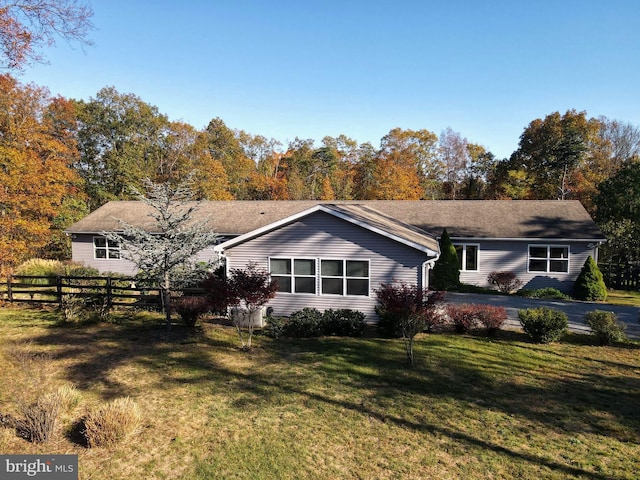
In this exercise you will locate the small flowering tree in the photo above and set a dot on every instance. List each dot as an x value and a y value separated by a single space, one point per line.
166 254
411 310
246 291
252 289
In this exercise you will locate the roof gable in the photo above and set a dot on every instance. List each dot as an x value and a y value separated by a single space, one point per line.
363 217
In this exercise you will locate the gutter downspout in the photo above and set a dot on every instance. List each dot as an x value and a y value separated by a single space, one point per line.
426 266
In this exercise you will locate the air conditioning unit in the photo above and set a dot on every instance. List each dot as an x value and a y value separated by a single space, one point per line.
241 317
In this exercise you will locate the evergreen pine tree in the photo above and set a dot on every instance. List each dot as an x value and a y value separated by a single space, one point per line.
590 283
446 273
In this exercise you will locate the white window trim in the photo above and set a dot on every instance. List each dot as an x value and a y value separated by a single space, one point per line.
293 276
548 258
464 255
318 275
344 277
107 248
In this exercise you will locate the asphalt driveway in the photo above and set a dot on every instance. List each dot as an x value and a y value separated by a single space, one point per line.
575 310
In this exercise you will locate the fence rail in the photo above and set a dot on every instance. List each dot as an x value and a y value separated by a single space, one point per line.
118 291
621 276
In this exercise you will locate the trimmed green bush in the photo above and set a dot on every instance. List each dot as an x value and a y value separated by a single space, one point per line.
310 322
590 284
343 322
274 327
543 325
304 323
446 273
548 293
606 327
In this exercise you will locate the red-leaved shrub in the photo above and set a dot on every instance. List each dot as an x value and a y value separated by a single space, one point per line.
505 282
463 316
491 317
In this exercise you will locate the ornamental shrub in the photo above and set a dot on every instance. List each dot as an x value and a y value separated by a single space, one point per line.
446 272
40 418
543 325
310 322
111 423
491 317
41 267
463 316
274 327
399 301
606 327
590 284
304 323
343 322
505 282
548 293
190 308
409 310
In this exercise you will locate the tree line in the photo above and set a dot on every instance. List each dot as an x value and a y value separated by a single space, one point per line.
62 158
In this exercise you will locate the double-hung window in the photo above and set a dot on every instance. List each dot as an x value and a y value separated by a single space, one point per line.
467 257
105 248
549 258
294 275
334 277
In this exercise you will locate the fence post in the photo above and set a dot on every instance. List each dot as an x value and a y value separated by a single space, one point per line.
9 288
59 289
109 292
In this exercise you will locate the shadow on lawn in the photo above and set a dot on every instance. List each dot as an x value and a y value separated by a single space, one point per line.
480 371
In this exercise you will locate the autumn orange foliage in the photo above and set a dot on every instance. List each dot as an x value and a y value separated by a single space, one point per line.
36 153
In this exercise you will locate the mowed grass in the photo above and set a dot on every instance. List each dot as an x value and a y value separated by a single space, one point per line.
623 297
329 408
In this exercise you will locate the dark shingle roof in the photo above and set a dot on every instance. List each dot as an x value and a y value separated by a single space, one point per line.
517 219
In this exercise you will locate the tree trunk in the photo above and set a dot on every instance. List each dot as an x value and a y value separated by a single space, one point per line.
166 299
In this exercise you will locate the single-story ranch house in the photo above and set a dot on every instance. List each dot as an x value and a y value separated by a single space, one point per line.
336 254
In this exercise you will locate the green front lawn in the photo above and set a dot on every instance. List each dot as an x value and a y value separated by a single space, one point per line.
623 297
331 408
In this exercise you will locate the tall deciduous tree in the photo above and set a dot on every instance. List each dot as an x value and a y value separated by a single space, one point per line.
28 25
225 146
414 154
37 185
618 214
121 140
454 156
550 151
166 254
622 140
480 172
185 151
364 173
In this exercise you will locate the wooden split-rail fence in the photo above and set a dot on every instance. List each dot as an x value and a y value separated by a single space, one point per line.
114 291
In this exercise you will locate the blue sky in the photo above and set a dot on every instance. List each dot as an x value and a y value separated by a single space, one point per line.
307 69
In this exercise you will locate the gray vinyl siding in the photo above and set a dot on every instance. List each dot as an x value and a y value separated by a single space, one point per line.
82 252
502 255
323 236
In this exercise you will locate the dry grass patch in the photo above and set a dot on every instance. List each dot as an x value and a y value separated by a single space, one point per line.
111 423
